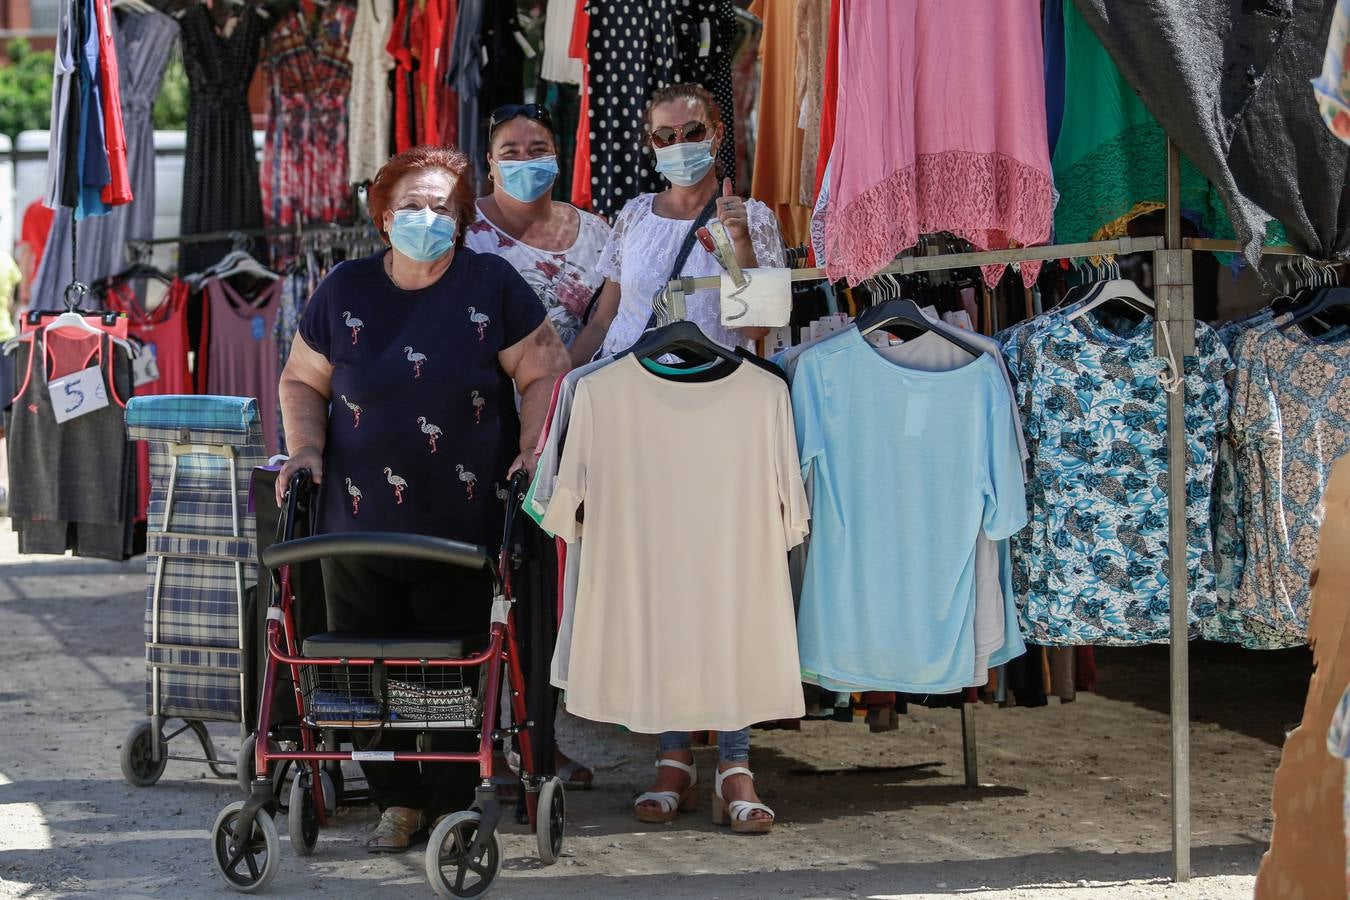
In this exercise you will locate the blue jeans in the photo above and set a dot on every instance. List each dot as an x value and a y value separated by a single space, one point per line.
732 746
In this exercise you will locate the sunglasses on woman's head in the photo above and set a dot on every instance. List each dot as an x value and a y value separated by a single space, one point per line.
690 132
503 114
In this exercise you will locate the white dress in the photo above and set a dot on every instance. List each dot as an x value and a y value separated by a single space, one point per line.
368 125
639 256
693 496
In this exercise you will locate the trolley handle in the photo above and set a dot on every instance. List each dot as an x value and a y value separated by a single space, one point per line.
302 482
406 546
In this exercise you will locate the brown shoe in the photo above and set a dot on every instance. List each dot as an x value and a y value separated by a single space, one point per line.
394 832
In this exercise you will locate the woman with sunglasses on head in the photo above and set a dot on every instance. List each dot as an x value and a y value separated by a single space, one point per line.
684 130
554 246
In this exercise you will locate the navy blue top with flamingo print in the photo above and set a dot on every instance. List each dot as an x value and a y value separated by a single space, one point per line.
423 423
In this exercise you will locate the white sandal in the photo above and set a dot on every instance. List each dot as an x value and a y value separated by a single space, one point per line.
737 812
670 803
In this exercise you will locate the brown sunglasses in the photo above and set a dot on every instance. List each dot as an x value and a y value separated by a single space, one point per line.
690 132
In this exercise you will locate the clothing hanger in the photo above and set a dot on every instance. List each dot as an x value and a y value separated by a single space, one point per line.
905 313
74 318
1122 289
684 339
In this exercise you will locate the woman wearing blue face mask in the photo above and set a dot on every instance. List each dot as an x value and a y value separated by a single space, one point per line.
400 401
554 246
684 131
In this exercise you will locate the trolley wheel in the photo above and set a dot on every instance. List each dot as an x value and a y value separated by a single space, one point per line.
244 769
301 822
550 819
333 771
247 866
450 869
138 765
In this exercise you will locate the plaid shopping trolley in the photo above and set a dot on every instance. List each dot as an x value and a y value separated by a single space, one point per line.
200 560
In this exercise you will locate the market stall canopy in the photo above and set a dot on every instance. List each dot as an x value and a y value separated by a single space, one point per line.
1229 81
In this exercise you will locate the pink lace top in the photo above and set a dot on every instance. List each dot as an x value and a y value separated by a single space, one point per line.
941 127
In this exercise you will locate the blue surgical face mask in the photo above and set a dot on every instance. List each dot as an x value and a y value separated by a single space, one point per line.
422 234
685 164
528 179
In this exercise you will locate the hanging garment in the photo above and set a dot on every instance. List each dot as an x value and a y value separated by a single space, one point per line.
1093 566
565 280
243 349
1229 84
813 30
1110 159
95 169
118 190
63 81
221 190
371 110
448 126
71 484
582 197
860 626
705 43
745 91
487 73
1290 421
163 334
558 65
400 50
674 578
144 43
778 149
305 154
920 148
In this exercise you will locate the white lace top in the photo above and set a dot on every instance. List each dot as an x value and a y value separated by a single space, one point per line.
639 256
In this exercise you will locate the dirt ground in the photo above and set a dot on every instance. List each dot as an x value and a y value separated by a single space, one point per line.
1073 799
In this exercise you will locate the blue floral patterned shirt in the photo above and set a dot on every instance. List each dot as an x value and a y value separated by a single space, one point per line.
1092 568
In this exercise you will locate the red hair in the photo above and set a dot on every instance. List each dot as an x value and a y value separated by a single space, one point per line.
416 159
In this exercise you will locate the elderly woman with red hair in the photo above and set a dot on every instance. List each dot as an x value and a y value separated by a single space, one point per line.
400 401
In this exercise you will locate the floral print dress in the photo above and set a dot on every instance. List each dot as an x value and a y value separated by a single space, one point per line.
1092 568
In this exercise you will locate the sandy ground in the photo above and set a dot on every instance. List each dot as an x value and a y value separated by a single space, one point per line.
1073 802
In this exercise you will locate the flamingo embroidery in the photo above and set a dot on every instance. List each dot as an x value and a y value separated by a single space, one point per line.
468 478
353 323
416 359
502 493
398 483
356 411
355 493
430 430
479 401
481 320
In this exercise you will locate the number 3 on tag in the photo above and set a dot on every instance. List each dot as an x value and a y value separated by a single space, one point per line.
77 394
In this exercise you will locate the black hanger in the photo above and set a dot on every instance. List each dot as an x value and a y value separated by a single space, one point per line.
905 314
1312 304
137 271
683 339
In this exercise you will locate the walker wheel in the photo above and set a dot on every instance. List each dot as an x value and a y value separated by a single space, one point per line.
247 866
550 819
244 770
301 822
450 869
138 765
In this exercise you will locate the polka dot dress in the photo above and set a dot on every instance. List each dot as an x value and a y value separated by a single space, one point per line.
635 47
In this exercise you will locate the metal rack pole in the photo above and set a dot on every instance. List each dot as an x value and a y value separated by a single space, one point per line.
1175 337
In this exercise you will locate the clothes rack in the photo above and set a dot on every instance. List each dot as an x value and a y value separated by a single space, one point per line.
1174 337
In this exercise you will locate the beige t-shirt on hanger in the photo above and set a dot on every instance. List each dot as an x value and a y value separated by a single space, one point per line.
693 495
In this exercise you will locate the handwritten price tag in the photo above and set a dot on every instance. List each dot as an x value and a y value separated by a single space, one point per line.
77 394
145 366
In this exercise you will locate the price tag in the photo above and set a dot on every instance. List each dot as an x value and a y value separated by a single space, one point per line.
704 38
145 366
525 47
77 394
259 325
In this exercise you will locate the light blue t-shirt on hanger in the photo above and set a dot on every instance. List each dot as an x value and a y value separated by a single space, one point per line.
909 467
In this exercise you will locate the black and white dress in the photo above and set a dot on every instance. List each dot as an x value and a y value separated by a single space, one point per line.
635 47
